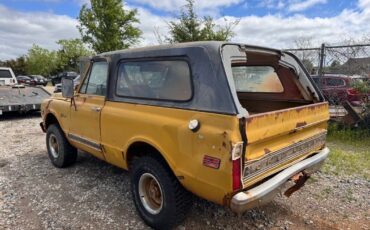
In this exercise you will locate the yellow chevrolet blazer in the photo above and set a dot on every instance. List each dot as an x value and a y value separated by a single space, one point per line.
230 123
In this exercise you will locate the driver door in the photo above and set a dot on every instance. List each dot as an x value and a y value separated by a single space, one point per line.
85 116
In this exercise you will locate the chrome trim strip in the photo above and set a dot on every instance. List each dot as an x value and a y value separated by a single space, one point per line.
281 156
83 140
245 200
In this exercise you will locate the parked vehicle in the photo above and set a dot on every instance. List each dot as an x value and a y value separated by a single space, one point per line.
7 76
39 80
22 99
58 79
230 123
58 87
338 88
25 80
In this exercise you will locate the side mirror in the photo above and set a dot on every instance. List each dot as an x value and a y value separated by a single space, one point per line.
67 88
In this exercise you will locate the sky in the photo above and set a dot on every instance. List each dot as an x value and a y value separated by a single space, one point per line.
271 23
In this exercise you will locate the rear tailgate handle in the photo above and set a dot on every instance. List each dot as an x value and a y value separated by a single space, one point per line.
95 109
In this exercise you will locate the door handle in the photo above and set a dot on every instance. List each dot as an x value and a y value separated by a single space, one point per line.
95 109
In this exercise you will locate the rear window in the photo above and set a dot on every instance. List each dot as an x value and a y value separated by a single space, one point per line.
5 74
162 80
260 79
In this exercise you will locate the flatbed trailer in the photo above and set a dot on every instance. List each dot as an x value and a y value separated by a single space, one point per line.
21 98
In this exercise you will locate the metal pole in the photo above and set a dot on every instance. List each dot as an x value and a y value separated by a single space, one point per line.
322 62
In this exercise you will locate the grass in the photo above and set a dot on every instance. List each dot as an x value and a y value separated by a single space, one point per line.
350 152
354 137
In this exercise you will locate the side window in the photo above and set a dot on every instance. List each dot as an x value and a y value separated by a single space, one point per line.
335 82
163 80
96 83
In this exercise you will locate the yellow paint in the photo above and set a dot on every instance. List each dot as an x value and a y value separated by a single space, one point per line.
119 125
167 130
85 120
269 132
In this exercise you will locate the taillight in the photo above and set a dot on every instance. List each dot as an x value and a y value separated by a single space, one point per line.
351 91
236 154
237 184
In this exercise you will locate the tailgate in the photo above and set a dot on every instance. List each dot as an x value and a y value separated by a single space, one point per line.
280 138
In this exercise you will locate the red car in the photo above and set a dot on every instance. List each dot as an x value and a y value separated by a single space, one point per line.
25 80
338 88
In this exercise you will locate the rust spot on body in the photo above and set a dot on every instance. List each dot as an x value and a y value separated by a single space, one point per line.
301 124
266 150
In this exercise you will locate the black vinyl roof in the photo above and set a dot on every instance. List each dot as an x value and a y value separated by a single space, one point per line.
215 45
211 90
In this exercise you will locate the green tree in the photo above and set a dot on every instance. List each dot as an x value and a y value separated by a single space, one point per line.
335 64
41 61
107 26
189 27
308 65
69 53
18 65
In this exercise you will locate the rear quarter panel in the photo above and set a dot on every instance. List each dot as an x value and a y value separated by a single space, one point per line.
166 129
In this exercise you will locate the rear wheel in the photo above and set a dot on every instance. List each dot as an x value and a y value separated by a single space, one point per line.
160 199
60 151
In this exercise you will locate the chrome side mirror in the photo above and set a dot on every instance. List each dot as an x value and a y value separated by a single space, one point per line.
67 88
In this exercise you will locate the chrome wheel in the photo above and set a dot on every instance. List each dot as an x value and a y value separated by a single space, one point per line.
150 192
53 146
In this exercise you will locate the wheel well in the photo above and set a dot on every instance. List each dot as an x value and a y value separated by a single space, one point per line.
140 149
50 119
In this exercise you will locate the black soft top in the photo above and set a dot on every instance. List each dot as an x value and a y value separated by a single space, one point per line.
211 91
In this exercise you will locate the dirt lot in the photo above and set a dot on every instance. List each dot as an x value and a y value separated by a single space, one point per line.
94 195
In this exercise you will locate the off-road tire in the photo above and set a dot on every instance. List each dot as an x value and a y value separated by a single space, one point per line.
176 200
67 154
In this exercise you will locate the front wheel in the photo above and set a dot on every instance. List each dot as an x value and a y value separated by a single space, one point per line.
160 199
60 151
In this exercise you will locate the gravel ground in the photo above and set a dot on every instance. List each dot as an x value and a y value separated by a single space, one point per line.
94 195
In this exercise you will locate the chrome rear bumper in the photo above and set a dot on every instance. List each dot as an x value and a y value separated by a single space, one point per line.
264 192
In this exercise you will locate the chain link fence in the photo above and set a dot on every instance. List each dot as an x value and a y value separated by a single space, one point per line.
342 72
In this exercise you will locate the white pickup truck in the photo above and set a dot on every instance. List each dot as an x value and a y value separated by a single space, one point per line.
7 76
